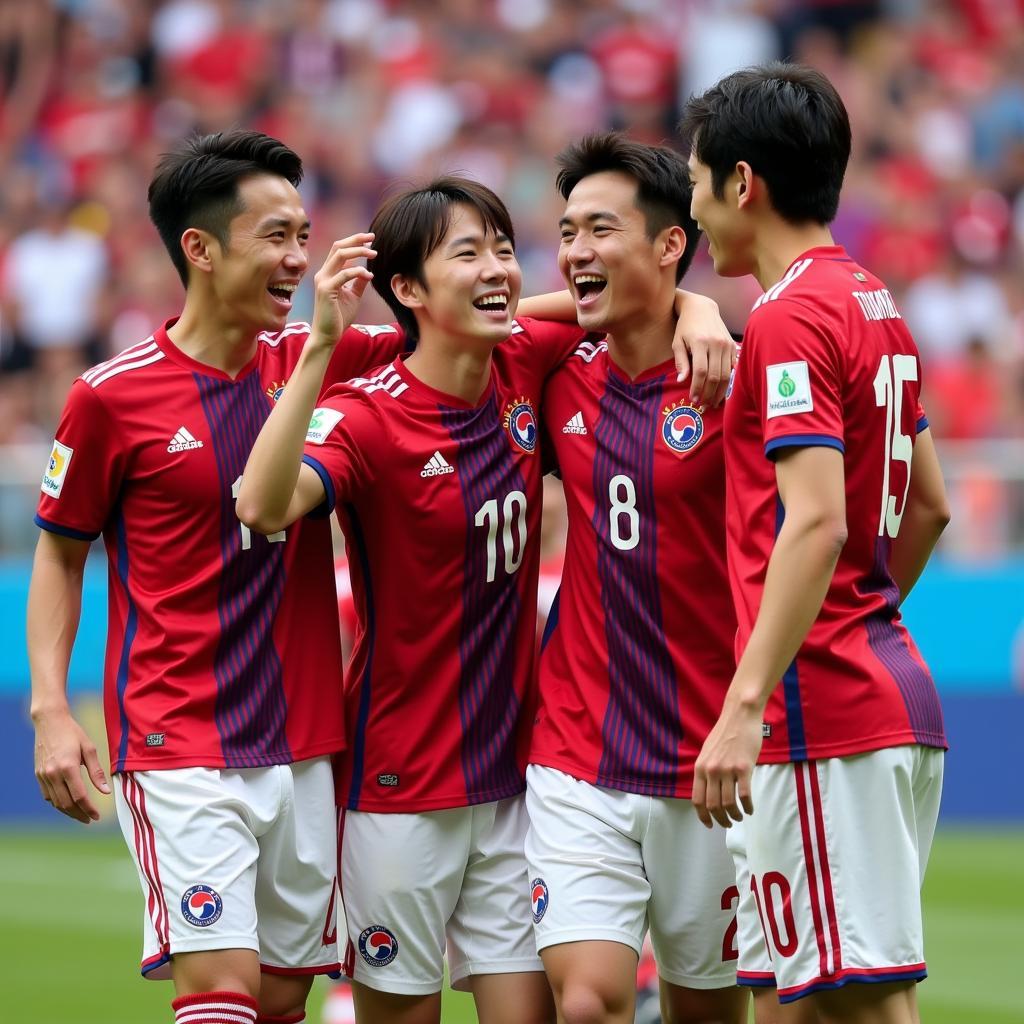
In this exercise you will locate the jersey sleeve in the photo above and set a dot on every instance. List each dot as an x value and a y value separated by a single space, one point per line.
362 348
82 479
795 374
551 341
345 429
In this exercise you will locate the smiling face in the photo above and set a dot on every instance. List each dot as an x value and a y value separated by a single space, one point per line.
614 271
728 231
255 275
472 283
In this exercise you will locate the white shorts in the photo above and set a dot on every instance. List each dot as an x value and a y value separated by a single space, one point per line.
412 882
832 862
235 859
606 864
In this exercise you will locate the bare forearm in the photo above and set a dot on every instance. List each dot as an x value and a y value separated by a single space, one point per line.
54 609
799 572
549 306
270 475
919 533
924 517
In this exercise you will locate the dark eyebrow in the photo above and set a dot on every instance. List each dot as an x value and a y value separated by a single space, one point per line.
500 238
590 218
279 222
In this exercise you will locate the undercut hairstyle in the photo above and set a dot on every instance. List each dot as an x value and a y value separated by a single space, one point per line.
410 225
196 185
663 189
788 122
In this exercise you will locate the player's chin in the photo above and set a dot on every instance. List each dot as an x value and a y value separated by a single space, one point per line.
492 328
595 321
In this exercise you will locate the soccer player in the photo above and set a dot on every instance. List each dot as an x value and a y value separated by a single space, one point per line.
638 650
433 466
835 502
222 683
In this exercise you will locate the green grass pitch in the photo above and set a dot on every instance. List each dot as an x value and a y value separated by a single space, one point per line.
70 922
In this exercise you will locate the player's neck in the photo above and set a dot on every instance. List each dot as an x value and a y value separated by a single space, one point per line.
634 347
780 244
460 372
213 339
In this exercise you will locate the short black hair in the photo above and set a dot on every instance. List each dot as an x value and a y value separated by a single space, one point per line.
788 122
196 185
663 191
410 225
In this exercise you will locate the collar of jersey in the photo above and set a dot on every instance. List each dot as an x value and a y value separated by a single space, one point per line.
175 354
435 397
651 373
821 252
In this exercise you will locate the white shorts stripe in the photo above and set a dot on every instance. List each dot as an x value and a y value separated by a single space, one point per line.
145 848
816 863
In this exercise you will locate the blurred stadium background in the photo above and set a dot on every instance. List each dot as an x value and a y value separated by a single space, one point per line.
373 91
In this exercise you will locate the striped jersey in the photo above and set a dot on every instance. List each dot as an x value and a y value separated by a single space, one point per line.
827 360
638 649
222 645
440 504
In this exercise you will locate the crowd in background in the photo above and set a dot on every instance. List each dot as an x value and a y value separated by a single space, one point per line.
373 92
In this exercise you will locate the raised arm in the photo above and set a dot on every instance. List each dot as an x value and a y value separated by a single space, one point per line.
277 489
549 306
703 348
62 746
924 518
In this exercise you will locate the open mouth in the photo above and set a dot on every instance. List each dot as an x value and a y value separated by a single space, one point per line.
282 292
496 302
588 287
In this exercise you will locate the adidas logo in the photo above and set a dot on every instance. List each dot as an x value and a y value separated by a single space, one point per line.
436 466
183 441
575 425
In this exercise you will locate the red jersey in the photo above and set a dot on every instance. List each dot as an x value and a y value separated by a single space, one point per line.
222 644
827 360
440 503
638 650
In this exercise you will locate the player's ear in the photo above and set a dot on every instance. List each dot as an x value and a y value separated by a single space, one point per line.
408 291
673 245
196 246
743 183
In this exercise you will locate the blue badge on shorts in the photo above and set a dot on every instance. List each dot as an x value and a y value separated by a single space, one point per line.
378 945
201 906
539 898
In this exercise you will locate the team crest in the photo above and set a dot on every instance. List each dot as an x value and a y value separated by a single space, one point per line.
201 906
539 898
683 427
276 390
378 945
521 423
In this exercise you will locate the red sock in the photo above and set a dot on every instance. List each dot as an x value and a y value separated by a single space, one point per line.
215 1008
295 1018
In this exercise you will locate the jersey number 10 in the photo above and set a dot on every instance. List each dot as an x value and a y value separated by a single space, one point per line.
889 390
513 512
